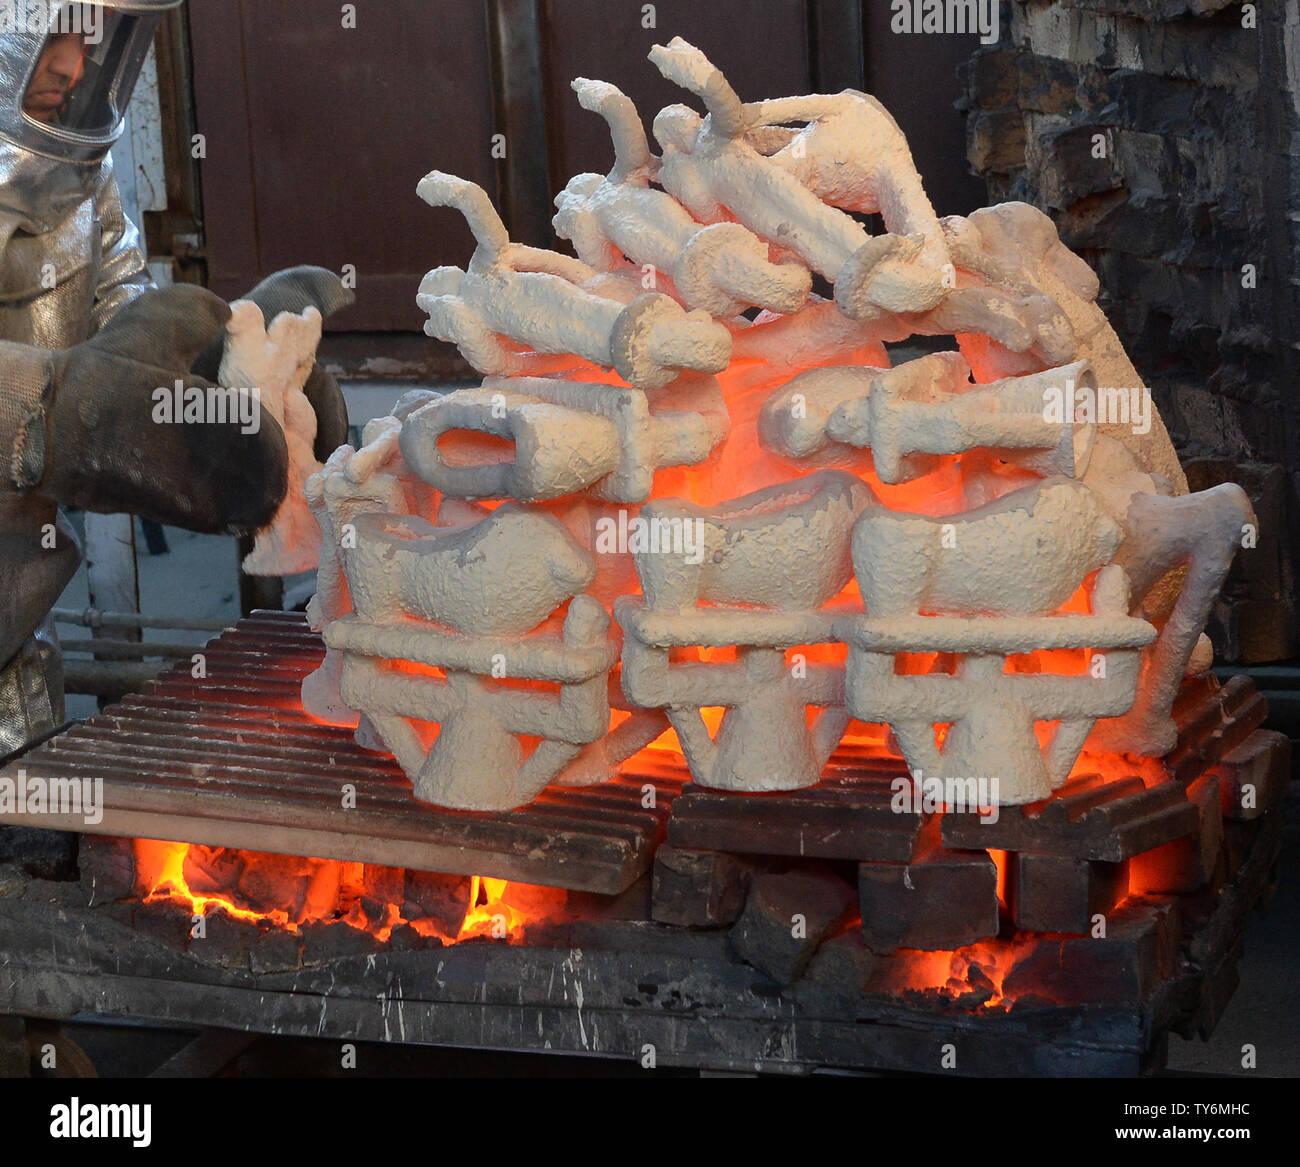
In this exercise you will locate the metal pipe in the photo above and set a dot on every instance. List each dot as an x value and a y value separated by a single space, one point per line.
95 618
111 679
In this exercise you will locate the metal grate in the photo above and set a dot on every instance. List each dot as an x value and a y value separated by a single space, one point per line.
233 760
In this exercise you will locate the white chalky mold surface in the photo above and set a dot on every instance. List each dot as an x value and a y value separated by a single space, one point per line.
664 508
274 361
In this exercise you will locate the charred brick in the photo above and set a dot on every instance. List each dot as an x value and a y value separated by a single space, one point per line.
698 889
786 917
944 900
1051 893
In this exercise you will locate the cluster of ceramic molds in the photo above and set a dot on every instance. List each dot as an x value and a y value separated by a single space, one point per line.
743 206
445 620
722 268
984 586
568 436
793 187
762 570
352 483
516 295
929 406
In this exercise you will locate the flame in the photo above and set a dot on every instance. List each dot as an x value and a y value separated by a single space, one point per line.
1001 860
981 968
161 866
324 890
493 917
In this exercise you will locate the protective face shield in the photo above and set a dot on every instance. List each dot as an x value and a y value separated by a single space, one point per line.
67 70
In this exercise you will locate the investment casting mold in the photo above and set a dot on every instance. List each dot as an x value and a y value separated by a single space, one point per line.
277 359
821 539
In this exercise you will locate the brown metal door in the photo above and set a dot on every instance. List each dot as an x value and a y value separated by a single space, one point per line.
317 134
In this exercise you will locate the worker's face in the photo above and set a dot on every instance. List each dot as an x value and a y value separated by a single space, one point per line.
57 72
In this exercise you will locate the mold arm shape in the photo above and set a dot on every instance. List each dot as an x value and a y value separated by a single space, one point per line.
1202 531
721 268
712 167
534 298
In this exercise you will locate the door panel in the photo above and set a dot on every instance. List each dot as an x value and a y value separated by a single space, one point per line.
915 75
317 135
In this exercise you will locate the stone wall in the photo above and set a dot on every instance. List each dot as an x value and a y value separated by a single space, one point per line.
1163 137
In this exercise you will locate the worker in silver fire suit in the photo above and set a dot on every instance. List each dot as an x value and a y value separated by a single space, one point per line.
85 338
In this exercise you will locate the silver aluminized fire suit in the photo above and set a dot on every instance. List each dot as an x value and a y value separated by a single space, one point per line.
70 264
69 259
97 269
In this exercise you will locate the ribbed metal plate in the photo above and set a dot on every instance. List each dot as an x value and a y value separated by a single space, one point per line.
233 760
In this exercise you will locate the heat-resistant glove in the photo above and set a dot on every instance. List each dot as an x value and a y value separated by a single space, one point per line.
292 290
104 438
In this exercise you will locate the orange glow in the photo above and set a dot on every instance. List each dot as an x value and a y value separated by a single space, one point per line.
160 867
493 917
981 968
307 891
324 890
412 668
1000 861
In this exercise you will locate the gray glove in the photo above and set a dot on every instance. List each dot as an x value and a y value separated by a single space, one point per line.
94 442
292 290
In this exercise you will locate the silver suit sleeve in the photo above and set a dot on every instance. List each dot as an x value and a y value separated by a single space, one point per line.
123 271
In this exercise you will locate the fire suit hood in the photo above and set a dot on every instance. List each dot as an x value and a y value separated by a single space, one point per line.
67 71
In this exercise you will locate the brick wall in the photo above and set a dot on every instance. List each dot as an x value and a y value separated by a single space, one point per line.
1198 176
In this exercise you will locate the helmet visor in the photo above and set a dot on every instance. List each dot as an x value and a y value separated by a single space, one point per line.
86 68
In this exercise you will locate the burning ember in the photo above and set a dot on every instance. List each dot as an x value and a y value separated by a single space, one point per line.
287 892
970 977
